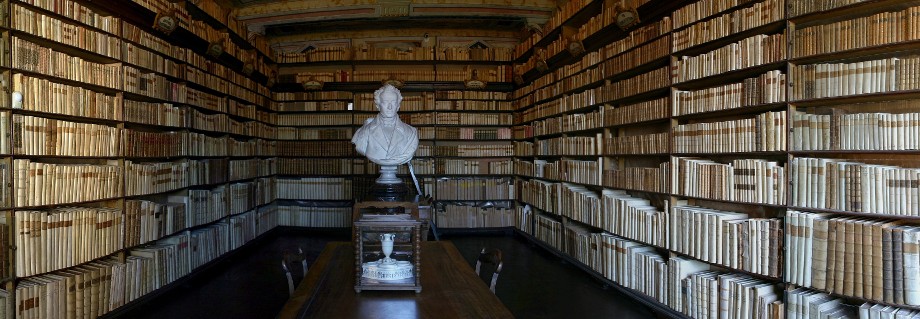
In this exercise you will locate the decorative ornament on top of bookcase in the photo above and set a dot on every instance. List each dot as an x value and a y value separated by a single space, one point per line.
392 80
574 46
216 48
626 17
249 67
272 79
540 60
519 74
312 84
166 21
474 83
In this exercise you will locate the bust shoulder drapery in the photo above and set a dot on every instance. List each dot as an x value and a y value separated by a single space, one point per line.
386 148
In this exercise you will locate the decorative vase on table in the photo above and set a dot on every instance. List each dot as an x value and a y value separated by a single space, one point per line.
387 269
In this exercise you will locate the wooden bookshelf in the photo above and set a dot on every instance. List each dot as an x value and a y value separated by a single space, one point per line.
842 105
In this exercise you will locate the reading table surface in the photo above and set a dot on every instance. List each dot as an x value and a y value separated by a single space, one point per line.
450 289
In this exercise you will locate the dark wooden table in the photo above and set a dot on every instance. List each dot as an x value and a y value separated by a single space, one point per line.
450 289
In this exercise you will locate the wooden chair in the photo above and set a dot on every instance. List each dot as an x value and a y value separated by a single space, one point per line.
492 258
288 260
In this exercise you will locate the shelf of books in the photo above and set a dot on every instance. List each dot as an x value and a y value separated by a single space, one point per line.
852 159
772 134
472 153
365 54
127 155
410 76
317 162
588 26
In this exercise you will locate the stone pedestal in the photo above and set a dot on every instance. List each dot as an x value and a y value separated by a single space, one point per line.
388 175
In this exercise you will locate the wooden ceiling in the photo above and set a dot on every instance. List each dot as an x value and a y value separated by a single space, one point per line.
290 25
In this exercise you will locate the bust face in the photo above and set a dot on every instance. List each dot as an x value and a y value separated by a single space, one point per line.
388 105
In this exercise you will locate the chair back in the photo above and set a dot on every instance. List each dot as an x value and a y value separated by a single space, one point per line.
491 259
288 261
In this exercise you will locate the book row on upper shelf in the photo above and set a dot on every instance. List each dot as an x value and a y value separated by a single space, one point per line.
614 56
702 10
423 102
764 133
743 19
226 18
749 52
608 93
555 21
444 118
612 69
217 36
863 32
51 28
32 58
501 73
560 34
768 49
348 95
371 53
45 96
737 21
571 41
758 56
813 129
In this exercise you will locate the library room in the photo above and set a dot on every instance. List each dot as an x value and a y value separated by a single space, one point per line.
710 159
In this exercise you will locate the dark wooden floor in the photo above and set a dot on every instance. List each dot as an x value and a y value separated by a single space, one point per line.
534 283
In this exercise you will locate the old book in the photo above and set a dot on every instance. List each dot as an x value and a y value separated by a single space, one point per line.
860 257
887 262
875 274
849 257
911 251
897 240
820 252
839 239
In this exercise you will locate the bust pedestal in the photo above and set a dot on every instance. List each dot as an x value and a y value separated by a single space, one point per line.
388 187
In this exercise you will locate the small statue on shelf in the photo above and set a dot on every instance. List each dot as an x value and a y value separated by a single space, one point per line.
385 139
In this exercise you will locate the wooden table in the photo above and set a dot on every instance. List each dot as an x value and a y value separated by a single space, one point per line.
450 289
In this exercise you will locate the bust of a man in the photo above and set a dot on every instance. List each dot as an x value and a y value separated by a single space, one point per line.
384 139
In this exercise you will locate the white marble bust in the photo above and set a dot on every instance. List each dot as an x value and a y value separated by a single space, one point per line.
384 139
